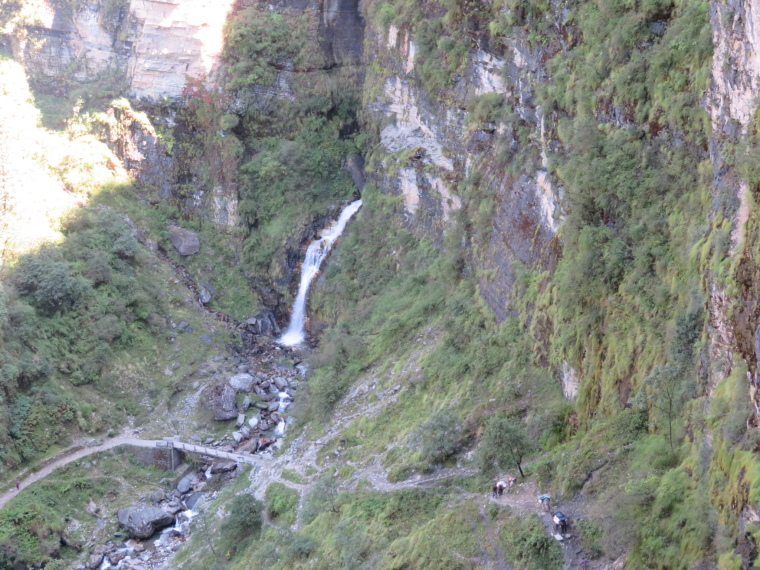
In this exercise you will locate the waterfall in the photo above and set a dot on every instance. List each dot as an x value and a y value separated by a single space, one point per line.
315 254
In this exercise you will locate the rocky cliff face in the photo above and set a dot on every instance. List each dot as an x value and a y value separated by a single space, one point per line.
439 146
732 104
152 46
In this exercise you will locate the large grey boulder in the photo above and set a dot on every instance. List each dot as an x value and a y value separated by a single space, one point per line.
184 485
220 399
184 241
281 383
263 323
95 561
242 382
223 467
144 520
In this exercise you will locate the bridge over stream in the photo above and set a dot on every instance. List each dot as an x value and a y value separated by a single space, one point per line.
76 452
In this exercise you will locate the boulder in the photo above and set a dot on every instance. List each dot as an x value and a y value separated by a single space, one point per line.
173 509
274 406
92 508
95 561
240 420
115 557
246 403
266 442
193 499
184 485
223 467
263 323
143 521
253 422
220 399
281 383
249 446
205 296
237 436
246 431
184 241
157 496
242 382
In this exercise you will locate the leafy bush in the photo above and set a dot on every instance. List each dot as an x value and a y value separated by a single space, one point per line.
281 503
321 498
49 282
301 546
244 519
527 544
439 437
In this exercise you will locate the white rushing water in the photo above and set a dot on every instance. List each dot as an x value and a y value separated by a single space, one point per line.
315 255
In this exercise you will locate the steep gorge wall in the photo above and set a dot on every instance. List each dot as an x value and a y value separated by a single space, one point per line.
152 45
434 146
732 104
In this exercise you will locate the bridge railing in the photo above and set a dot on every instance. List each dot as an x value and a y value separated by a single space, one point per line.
208 451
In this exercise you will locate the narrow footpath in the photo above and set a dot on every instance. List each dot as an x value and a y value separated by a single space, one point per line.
78 451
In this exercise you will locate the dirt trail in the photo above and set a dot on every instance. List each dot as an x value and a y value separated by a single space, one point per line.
78 451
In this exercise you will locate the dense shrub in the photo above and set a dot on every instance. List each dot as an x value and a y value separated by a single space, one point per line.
244 519
281 503
439 437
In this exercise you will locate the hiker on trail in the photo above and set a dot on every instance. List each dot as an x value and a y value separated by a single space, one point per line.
495 491
501 485
560 522
584 564
18 485
545 501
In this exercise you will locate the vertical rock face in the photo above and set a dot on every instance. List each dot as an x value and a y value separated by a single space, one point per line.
444 146
176 39
152 45
732 102
736 64
342 32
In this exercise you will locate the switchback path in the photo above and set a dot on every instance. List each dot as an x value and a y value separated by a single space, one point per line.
79 451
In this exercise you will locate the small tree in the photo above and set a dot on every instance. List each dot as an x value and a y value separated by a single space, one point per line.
504 442
245 518
439 437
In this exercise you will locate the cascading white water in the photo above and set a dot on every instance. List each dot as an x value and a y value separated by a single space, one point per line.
315 254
